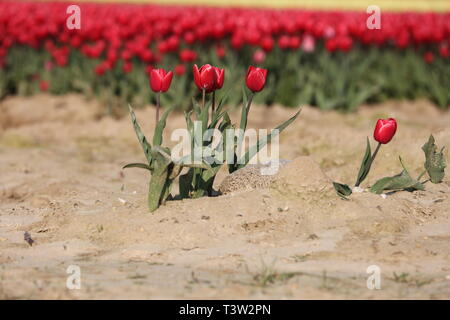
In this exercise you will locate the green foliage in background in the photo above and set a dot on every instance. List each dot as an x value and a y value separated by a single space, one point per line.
331 81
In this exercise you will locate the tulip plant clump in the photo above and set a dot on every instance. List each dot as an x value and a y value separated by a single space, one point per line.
385 130
329 59
199 179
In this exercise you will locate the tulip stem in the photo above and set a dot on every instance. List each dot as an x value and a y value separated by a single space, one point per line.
375 153
213 103
249 103
247 108
158 103
203 97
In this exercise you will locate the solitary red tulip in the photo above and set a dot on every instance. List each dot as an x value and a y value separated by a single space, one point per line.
385 130
256 78
160 80
205 77
220 77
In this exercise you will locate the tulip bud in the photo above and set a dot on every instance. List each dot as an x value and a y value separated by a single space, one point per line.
160 80
385 130
205 77
256 78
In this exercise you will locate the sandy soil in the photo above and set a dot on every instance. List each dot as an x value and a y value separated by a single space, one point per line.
61 181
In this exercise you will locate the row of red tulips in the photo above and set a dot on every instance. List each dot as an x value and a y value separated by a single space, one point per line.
301 48
149 32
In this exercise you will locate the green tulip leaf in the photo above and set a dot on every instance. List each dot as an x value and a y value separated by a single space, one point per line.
141 137
196 107
244 111
187 162
221 103
342 190
189 123
434 161
158 135
137 165
401 181
185 182
253 150
365 165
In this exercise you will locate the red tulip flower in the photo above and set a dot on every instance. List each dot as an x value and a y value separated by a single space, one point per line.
160 80
385 130
205 77
256 78
220 77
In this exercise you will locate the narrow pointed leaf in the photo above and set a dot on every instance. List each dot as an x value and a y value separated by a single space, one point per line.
196 107
141 137
253 150
222 103
365 165
244 114
159 129
137 165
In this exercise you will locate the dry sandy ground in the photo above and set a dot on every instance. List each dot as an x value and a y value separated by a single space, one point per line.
61 181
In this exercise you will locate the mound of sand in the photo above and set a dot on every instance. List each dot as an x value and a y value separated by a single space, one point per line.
303 179
252 176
